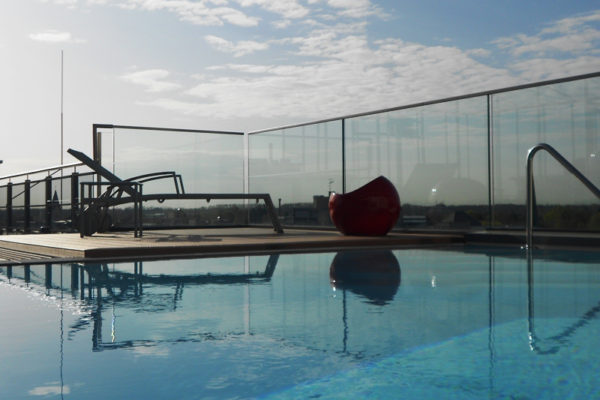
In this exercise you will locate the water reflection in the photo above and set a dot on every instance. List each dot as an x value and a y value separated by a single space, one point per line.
551 344
119 286
202 325
97 290
372 274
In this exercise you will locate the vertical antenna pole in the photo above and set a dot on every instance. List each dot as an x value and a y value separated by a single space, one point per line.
61 108
61 125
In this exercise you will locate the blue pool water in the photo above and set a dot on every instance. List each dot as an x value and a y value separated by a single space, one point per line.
411 323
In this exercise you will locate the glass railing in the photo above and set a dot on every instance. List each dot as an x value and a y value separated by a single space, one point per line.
208 162
41 200
457 163
299 167
435 155
566 116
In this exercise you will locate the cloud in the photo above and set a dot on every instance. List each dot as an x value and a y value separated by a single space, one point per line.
537 69
54 36
220 12
151 79
198 12
67 3
289 9
356 8
574 35
282 24
350 75
479 52
183 107
330 69
54 390
238 49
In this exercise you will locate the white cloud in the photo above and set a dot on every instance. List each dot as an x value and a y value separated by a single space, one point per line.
54 36
356 8
479 52
53 390
348 76
537 69
198 12
337 69
183 107
238 49
151 79
67 3
568 36
289 9
566 25
282 24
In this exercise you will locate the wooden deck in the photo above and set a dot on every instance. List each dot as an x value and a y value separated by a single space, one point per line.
64 247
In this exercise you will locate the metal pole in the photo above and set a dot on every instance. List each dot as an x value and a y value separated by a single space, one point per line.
48 219
27 206
62 142
343 155
61 108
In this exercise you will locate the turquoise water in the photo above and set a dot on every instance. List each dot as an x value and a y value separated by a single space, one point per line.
412 323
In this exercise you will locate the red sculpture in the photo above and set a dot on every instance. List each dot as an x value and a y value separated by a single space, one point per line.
371 210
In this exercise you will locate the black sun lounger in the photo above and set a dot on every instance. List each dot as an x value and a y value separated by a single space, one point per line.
94 211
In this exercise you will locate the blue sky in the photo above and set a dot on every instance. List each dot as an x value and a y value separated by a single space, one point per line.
251 64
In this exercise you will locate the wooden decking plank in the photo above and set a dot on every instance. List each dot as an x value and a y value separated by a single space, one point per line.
204 242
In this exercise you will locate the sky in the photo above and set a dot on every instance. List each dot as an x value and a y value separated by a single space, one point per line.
244 65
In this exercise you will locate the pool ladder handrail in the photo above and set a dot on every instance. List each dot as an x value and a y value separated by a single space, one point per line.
568 166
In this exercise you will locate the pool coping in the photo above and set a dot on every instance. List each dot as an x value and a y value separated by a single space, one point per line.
217 242
63 247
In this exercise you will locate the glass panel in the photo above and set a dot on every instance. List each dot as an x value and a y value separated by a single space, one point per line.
566 116
18 195
3 196
38 193
207 163
61 202
299 167
436 156
3 214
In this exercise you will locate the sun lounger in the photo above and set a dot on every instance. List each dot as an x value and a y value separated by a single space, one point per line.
94 209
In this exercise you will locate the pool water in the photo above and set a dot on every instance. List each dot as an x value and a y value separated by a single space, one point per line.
410 323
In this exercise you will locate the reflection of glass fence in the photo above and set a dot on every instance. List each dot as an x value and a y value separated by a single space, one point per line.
32 202
457 163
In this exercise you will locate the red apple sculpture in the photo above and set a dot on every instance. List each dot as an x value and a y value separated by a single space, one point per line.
371 210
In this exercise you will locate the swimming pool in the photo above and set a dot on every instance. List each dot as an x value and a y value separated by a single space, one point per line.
409 323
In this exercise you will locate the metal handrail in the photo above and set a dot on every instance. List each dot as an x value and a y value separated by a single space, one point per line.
55 168
568 166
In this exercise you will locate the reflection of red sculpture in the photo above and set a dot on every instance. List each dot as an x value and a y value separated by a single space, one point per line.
374 274
370 210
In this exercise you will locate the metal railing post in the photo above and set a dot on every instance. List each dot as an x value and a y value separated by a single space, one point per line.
27 206
9 209
48 219
74 198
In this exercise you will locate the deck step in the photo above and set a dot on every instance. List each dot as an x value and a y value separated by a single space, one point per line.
13 257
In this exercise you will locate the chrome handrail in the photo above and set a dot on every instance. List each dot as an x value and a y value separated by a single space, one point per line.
54 169
568 166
